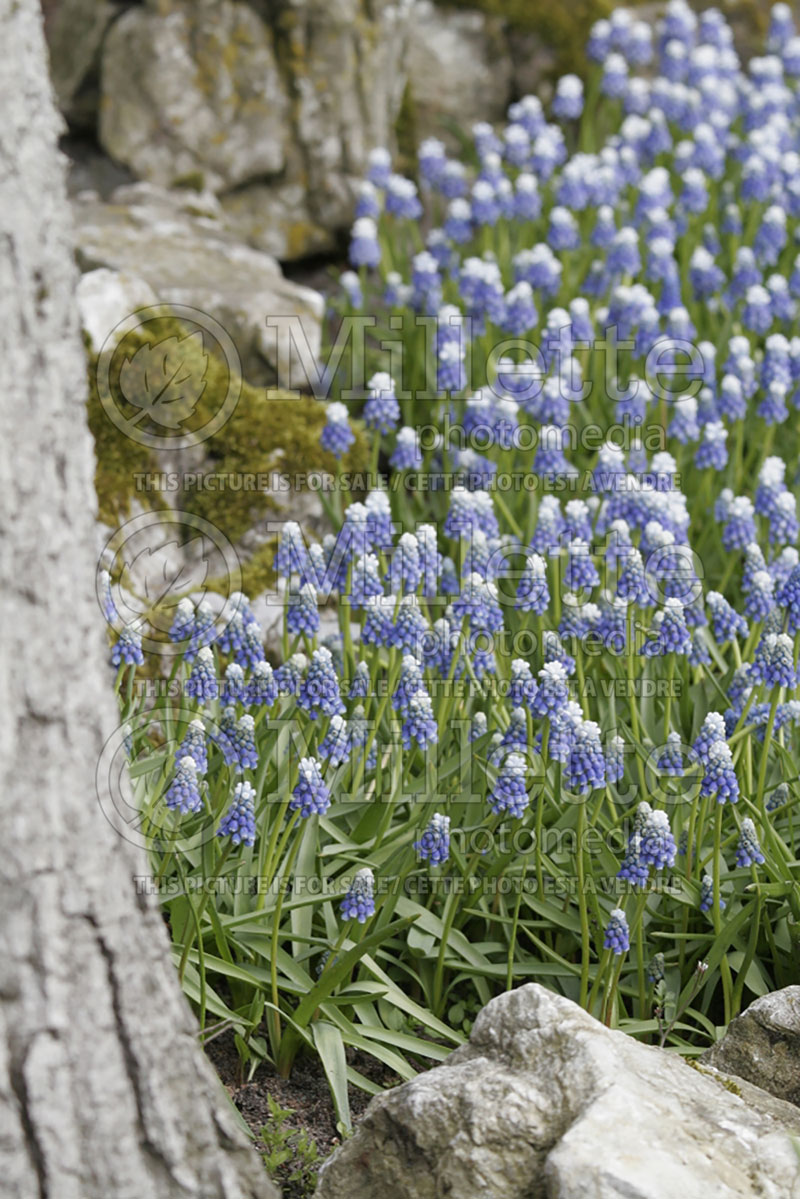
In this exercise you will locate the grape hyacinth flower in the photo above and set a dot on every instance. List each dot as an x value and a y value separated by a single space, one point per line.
522 685
553 691
239 822
748 850
128 649
302 614
725 622
633 869
409 684
319 690
671 760
434 844
291 556
720 777
335 745
337 436
707 894
234 689
402 199
239 746
617 937
520 309
203 632
183 792
585 767
351 286
477 602
568 100
381 409
364 247
289 675
672 633
712 730
202 682
533 594
410 629
789 598
478 727
193 745
182 623
359 902
509 793
581 571
310 795
405 569
406 454
515 737
251 651
430 559
262 689
379 624
778 797
379 519
740 525
784 528
379 166
632 584
419 725
615 760
360 683
658 848
757 311
656 969
712 451
231 639
773 662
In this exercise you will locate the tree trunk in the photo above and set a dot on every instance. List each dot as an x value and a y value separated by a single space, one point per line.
104 1092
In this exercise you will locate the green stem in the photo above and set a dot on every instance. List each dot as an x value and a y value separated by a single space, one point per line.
724 968
584 914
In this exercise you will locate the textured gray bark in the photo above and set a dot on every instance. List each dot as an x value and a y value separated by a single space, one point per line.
104 1093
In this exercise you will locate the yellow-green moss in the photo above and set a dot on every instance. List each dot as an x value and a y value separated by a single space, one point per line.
117 460
195 181
727 1083
262 435
302 237
257 573
248 444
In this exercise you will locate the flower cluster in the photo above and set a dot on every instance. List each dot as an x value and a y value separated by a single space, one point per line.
485 659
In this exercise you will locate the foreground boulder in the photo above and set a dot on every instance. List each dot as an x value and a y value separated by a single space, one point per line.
545 1101
763 1045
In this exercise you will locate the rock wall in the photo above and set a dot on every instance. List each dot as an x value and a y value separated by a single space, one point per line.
273 107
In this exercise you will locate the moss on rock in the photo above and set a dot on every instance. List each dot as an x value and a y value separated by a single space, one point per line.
263 434
117 460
